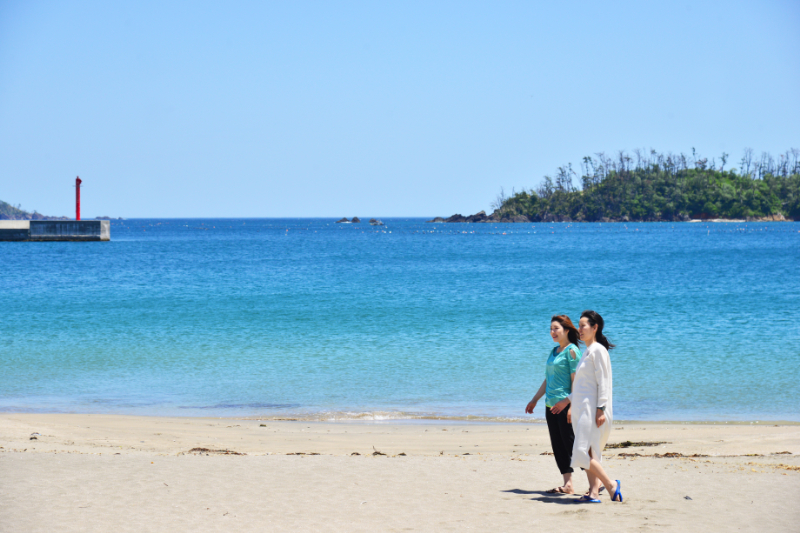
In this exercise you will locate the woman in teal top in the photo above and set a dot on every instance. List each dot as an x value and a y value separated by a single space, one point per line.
557 386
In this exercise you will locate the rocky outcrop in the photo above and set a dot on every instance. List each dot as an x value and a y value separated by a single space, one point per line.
477 217
343 221
472 219
770 218
480 218
375 222
356 220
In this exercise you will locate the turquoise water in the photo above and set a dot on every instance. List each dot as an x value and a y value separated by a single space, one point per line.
304 317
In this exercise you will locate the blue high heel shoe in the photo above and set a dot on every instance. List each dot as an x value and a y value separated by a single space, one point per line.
617 493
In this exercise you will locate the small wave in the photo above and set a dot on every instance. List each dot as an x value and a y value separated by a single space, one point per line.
393 416
243 406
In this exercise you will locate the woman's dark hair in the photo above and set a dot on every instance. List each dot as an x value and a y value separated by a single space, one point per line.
596 320
572 332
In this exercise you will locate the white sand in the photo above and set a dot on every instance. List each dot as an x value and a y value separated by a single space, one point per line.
118 473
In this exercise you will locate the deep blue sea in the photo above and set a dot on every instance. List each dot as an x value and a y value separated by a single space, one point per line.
308 318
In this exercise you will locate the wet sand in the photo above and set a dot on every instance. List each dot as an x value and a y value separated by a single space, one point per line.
125 473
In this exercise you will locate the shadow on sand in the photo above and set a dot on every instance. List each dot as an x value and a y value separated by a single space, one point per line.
546 497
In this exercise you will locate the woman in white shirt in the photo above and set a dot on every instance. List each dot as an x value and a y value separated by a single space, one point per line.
591 411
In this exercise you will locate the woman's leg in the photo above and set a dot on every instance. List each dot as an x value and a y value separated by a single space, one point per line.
568 483
597 476
567 442
562 453
592 482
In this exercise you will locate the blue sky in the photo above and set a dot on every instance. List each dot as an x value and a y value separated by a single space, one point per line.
271 109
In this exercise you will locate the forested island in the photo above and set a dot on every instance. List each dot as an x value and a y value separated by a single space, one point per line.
647 186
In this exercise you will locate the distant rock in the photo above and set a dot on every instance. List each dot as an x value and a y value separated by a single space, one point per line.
769 218
39 216
561 218
375 222
356 220
472 219
477 217
343 221
482 218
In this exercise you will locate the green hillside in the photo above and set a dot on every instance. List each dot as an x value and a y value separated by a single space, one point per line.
662 187
9 212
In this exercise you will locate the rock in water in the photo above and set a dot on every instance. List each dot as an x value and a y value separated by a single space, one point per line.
477 217
356 220
375 222
343 221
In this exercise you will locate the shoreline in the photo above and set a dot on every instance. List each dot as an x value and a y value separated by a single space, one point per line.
138 473
84 432
389 417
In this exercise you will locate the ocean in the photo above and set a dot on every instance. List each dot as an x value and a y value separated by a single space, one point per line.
310 319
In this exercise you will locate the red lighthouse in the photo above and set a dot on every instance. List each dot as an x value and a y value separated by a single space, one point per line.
77 198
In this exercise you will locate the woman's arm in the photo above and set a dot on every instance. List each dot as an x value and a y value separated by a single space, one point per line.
536 397
560 406
602 373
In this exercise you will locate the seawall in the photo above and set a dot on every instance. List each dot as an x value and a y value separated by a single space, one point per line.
55 230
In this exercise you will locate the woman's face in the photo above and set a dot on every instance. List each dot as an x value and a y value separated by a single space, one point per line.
558 333
586 331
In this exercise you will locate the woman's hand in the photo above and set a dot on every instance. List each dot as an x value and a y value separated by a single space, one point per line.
530 407
569 415
560 406
600 418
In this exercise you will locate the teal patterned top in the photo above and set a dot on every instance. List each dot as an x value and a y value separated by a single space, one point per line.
560 366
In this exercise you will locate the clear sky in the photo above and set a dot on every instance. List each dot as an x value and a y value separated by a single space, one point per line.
271 108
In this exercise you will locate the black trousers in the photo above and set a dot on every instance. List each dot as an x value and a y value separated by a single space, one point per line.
561 438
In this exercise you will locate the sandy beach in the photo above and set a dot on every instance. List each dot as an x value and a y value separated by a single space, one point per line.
63 472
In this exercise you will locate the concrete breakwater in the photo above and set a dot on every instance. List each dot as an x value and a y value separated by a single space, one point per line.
55 230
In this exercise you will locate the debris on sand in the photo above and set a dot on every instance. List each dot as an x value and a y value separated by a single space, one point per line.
220 452
376 452
629 444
